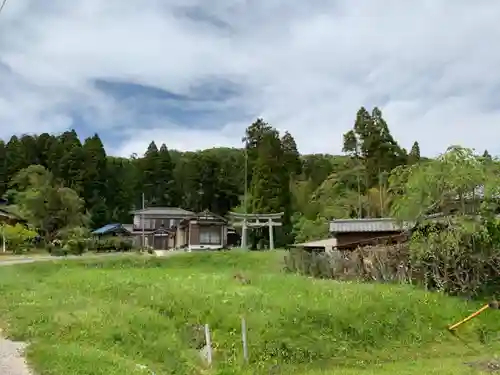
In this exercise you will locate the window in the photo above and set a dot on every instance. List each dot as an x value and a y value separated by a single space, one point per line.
210 236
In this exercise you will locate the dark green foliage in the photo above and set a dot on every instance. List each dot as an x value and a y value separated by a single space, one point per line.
414 155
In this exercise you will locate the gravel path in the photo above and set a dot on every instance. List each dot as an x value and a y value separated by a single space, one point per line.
12 360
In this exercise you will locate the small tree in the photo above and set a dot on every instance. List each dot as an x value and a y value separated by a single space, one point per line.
18 238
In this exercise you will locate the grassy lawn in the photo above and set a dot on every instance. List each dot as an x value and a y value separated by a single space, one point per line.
121 315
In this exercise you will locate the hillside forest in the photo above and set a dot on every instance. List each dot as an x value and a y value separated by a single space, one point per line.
60 181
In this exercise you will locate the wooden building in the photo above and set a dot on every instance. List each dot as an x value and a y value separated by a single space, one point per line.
352 233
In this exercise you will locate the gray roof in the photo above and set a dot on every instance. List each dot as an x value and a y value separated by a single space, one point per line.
164 211
368 225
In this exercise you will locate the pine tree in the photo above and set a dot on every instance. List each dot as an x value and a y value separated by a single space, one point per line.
270 189
293 163
149 166
371 142
414 155
67 160
94 176
4 179
15 157
166 194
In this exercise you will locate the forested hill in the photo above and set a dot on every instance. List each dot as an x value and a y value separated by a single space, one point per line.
309 188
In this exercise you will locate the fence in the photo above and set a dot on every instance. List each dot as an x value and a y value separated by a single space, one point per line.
207 352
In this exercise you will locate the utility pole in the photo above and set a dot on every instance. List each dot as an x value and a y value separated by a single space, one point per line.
142 223
245 201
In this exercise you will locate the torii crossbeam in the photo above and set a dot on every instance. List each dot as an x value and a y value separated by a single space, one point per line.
246 221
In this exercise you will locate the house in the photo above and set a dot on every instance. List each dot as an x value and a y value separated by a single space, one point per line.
202 231
165 228
156 227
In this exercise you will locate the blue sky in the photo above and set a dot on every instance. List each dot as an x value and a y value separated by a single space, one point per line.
194 73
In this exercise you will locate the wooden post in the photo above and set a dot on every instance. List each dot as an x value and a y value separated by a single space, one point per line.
208 341
244 338
271 234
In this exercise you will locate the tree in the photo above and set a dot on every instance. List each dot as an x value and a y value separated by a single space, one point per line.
414 155
66 160
44 203
94 180
270 189
4 177
166 193
459 250
150 170
371 141
14 157
291 155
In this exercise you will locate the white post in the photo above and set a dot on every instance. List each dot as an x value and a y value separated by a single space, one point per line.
222 236
208 342
142 220
244 338
189 235
3 239
271 234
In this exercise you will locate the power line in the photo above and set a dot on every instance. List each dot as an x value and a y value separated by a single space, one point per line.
3 4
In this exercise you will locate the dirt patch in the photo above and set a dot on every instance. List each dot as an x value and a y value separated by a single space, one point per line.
492 366
12 360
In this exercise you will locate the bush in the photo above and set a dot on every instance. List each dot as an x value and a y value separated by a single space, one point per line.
112 244
70 241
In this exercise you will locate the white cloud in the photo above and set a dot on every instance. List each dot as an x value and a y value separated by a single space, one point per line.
430 65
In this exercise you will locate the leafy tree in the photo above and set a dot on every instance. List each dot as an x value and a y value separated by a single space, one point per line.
46 205
458 252
18 237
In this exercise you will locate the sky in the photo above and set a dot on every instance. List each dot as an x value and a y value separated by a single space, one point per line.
194 74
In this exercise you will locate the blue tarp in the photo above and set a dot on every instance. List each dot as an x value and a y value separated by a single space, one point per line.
109 228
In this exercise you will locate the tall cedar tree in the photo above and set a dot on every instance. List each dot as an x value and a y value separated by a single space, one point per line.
270 189
414 155
94 176
291 155
372 141
150 170
4 178
166 194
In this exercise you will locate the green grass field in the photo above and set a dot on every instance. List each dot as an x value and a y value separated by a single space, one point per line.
115 316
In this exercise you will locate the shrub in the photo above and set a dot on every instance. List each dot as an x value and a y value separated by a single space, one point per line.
113 244
74 241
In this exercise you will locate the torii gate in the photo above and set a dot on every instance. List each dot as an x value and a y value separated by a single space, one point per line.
246 221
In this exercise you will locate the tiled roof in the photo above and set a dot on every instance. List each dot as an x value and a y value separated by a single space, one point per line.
368 225
166 211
